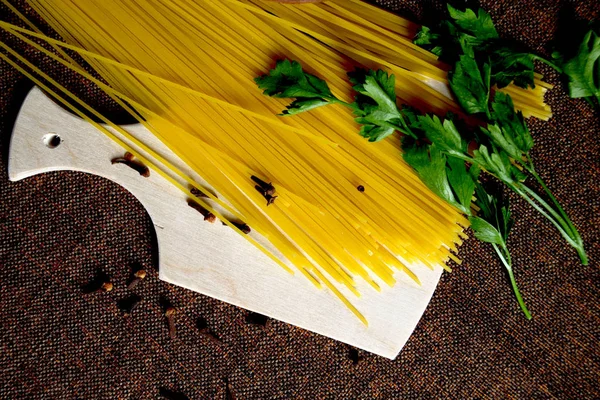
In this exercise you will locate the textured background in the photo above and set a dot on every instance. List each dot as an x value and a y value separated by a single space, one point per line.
57 230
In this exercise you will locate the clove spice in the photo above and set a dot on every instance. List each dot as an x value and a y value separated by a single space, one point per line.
100 284
208 216
204 330
354 356
128 159
254 318
245 228
170 314
128 304
196 192
138 276
105 287
266 189
199 193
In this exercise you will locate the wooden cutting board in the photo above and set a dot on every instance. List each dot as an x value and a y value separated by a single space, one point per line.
211 258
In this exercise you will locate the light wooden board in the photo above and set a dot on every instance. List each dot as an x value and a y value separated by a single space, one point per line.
210 258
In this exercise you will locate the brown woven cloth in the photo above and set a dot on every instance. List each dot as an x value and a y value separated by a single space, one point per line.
59 229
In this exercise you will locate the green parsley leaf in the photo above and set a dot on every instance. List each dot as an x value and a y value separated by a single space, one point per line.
485 231
462 183
493 226
444 135
503 140
375 105
583 70
460 34
480 26
496 163
446 176
301 105
513 124
288 80
430 40
430 164
471 86
474 35
495 210
446 41
511 66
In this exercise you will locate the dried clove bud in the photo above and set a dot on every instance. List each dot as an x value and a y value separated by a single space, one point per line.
196 192
128 160
360 188
204 330
263 187
257 319
266 189
170 314
270 199
208 216
138 276
229 393
201 193
100 283
354 356
172 395
128 304
242 227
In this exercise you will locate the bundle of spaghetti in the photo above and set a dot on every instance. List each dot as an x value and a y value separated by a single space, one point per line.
185 69
359 30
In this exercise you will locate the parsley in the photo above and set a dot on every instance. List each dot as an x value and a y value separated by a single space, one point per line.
583 70
374 106
436 148
288 80
481 60
475 35
471 85
514 130
493 226
461 33
433 157
479 26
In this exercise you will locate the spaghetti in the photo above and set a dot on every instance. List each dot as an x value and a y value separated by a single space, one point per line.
185 70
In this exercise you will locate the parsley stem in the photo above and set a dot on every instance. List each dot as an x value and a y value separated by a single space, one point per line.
335 100
574 233
560 219
517 188
531 169
462 157
505 258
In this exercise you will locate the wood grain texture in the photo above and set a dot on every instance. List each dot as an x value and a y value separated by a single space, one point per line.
210 258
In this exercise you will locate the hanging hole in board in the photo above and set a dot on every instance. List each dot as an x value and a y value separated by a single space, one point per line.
52 140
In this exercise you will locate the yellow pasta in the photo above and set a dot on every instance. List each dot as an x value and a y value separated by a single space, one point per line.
185 69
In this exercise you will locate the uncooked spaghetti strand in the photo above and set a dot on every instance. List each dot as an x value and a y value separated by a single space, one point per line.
133 151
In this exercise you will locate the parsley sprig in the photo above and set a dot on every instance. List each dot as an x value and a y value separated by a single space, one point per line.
493 225
583 70
475 35
440 149
482 60
288 80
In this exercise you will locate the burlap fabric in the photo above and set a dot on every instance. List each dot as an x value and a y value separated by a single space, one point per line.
57 230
